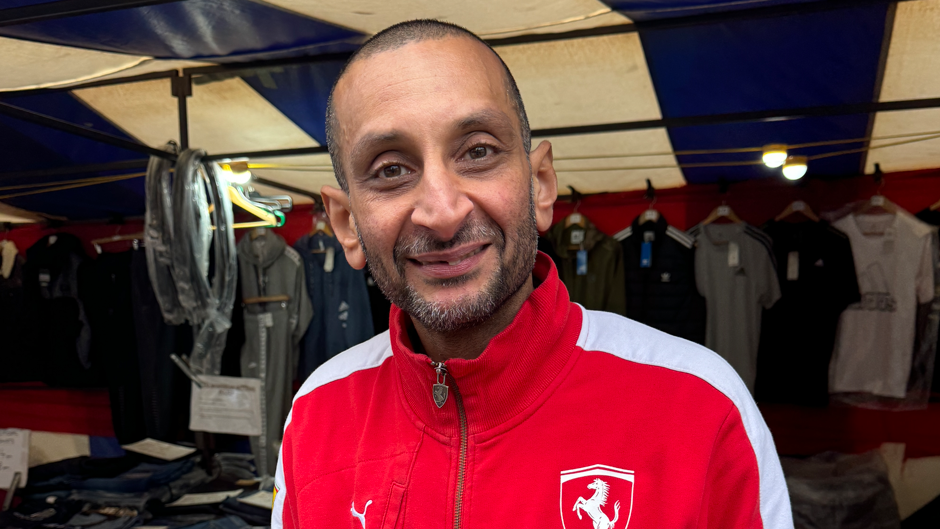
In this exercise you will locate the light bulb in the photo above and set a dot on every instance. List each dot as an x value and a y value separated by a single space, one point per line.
794 168
775 155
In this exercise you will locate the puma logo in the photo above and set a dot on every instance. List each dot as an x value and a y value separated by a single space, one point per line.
362 517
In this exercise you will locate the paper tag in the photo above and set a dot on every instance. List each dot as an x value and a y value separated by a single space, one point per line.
45 277
650 215
574 218
646 255
263 499
878 200
799 205
14 456
328 263
204 498
577 236
226 405
582 263
793 266
734 255
159 449
267 319
723 211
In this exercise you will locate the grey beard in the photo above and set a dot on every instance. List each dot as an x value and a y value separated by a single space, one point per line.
466 311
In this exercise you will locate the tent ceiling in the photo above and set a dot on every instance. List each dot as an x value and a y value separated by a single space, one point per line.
760 55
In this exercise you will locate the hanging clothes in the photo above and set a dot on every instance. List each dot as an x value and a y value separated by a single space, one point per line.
110 309
817 281
597 283
273 330
932 217
342 315
735 272
875 344
659 268
165 390
51 276
15 363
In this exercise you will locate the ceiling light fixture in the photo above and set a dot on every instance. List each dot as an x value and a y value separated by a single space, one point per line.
775 154
795 167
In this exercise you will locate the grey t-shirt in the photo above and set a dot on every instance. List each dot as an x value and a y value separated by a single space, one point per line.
736 273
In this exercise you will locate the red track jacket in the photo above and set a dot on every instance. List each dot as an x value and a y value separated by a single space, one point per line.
570 418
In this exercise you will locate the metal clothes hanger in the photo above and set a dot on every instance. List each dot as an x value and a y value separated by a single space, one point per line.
574 217
650 215
723 211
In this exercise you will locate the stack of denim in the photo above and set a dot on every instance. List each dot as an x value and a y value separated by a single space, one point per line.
113 493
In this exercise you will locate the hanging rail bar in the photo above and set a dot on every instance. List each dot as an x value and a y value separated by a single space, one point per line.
64 126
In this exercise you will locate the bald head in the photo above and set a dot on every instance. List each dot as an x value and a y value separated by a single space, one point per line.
396 37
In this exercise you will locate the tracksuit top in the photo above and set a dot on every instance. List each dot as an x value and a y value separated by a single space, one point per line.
569 418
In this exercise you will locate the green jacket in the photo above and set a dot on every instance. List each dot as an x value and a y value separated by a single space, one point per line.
602 287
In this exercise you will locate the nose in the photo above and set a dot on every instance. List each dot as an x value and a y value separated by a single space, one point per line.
442 204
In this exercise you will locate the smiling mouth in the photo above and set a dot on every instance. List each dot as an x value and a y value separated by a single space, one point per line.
456 262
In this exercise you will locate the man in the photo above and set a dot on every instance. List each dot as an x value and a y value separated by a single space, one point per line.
493 401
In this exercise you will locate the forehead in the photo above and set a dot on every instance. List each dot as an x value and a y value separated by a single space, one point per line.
427 82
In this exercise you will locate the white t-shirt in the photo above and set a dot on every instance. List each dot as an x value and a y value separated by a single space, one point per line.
875 341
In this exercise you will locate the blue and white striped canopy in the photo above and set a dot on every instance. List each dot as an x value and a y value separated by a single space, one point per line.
665 63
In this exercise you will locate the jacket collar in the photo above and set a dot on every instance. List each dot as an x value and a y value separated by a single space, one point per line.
658 227
514 370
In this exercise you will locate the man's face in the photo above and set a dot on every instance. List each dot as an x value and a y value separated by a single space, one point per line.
440 185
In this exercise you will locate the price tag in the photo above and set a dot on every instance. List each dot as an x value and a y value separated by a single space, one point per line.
724 211
14 456
577 236
646 255
734 255
793 266
330 260
582 263
226 405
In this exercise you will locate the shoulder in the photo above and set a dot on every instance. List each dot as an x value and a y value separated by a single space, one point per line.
370 354
293 255
632 341
624 234
680 237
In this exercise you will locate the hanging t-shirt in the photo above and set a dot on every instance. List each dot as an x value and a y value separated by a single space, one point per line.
817 279
876 336
735 271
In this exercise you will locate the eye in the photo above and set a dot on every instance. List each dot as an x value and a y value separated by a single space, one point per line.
392 171
478 152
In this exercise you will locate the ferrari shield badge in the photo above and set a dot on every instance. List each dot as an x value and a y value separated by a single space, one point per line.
596 497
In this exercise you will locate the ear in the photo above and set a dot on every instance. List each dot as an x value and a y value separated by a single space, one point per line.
545 182
336 202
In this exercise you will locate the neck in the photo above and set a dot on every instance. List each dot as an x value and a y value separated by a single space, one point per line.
468 343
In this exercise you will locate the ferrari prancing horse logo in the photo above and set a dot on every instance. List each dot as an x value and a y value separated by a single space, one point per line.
599 483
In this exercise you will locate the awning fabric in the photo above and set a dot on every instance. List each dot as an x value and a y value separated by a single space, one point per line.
736 56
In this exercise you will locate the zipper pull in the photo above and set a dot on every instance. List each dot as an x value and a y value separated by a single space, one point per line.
440 390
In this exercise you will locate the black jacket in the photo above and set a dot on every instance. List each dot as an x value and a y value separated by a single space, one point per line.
663 295
57 335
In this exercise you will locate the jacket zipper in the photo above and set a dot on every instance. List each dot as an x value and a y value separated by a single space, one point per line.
441 370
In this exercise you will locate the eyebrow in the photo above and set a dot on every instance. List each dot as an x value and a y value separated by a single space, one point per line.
484 118
373 140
